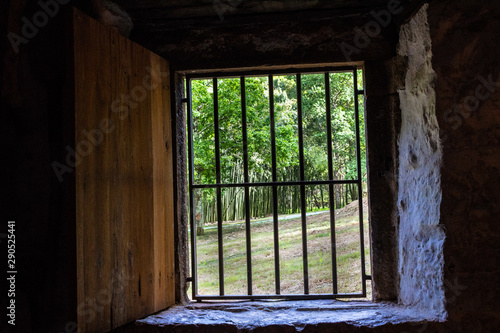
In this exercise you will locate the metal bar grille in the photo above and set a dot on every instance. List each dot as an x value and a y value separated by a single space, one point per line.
330 176
194 269
274 184
360 189
280 183
246 179
220 239
275 188
302 186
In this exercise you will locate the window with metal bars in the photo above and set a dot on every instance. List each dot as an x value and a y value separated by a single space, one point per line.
275 161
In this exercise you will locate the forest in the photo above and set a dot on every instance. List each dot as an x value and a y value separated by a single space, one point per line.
284 99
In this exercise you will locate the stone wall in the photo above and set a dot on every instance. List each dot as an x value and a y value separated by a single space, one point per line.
421 236
383 123
466 58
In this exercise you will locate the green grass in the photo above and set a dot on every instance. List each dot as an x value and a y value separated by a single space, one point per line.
291 259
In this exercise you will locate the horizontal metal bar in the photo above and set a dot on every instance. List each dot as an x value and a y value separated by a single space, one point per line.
361 92
265 73
368 277
284 297
287 183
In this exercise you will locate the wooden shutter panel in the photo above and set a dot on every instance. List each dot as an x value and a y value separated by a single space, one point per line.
124 179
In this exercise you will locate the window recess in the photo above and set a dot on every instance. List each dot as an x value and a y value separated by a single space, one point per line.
267 152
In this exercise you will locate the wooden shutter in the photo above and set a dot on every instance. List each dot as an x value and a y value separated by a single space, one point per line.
124 178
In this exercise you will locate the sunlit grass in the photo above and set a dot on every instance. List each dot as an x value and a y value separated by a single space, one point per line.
291 257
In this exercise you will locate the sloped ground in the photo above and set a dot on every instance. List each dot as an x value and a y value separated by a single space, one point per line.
348 256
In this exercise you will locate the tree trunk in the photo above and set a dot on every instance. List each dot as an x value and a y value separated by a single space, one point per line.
199 214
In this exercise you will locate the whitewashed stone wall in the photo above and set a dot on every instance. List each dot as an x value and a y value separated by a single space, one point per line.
421 237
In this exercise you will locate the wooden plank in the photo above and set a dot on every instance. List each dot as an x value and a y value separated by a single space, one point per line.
124 186
163 192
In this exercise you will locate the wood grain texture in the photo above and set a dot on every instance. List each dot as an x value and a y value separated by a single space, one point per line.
124 180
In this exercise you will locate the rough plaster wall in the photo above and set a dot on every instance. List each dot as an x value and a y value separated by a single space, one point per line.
421 237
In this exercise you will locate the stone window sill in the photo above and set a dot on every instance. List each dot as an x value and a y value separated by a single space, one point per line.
295 316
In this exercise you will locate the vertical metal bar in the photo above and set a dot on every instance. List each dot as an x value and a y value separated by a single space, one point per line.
246 180
330 177
303 206
360 181
219 190
275 188
191 191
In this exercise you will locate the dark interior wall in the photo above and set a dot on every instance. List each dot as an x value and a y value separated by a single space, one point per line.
279 39
464 51
38 127
35 131
383 123
466 58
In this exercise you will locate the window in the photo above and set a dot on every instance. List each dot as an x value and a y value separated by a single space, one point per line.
276 161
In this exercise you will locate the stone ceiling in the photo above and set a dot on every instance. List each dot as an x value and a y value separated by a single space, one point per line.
155 15
227 33
182 9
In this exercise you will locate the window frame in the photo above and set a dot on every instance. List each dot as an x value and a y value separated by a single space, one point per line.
241 74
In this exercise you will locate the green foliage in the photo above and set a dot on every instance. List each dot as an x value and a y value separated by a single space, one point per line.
258 120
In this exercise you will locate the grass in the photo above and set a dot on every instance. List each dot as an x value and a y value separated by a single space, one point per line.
290 252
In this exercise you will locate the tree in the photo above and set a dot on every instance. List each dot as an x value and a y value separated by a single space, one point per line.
259 142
